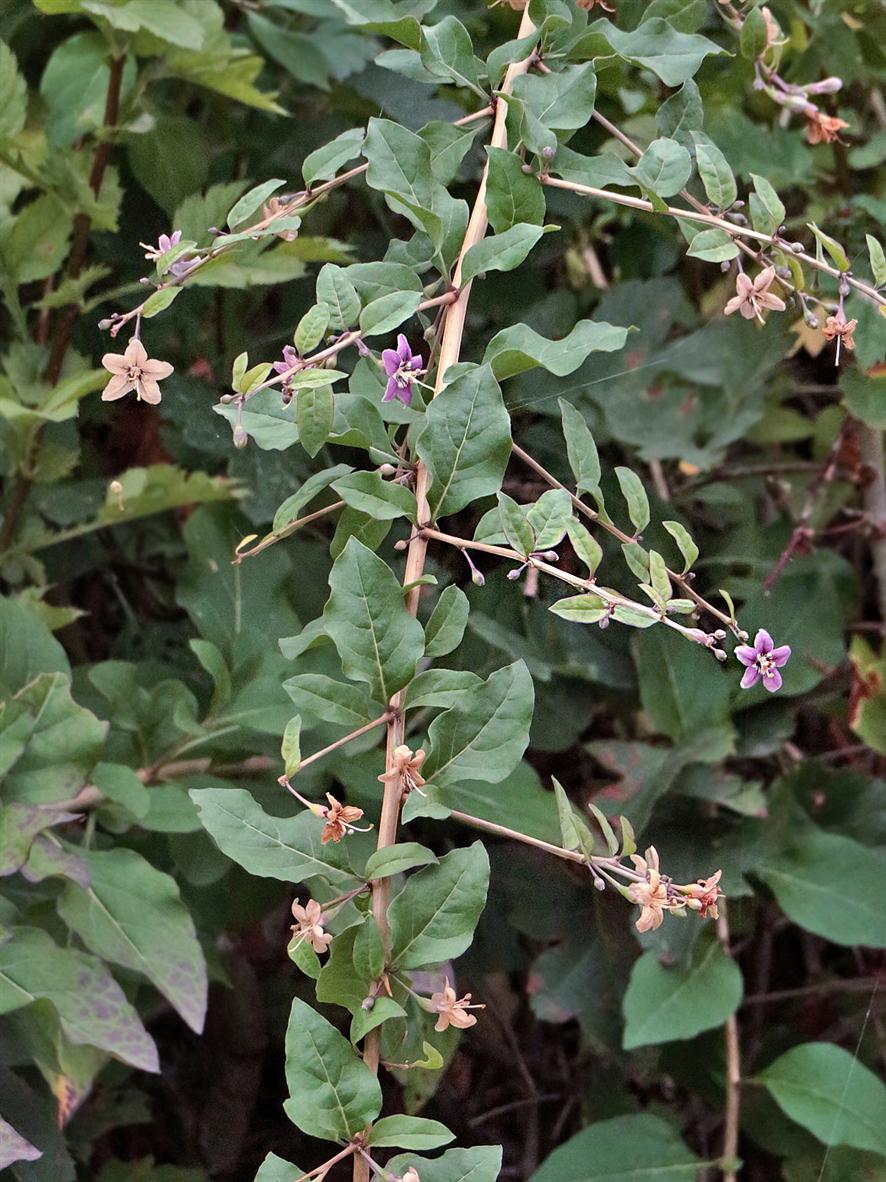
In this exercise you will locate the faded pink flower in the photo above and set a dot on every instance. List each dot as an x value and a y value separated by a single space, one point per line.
763 660
339 819
702 896
309 925
134 370
652 895
165 242
406 766
821 128
452 1011
753 296
838 328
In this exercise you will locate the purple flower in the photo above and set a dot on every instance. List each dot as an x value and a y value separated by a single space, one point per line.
402 367
164 243
290 357
763 660
182 267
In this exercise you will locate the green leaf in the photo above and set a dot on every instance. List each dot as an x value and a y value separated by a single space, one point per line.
465 442
518 531
285 848
399 162
878 260
563 100
713 246
293 505
519 348
92 1008
581 609
664 167
396 859
448 54
410 1132
388 312
332 1093
37 243
549 517
767 209
171 161
641 1148
663 1004
655 44
48 744
635 495
290 747
483 737
512 196
586 547
377 639
681 114
314 416
569 834
830 885
324 163
311 328
433 918
446 626
832 246
27 648
449 145
370 493
754 36
13 98
684 541
132 915
336 291
440 687
714 170
277 1169
829 1092
581 450
251 201
682 688
502 252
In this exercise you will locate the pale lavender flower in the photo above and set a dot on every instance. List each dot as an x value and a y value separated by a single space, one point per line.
182 267
763 660
164 243
134 370
290 357
402 367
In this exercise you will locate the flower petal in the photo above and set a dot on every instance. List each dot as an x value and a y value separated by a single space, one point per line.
115 363
404 349
391 391
780 656
135 353
772 680
148 390
734 304
763 642
390 359
116 388
746 654
158 370
750 677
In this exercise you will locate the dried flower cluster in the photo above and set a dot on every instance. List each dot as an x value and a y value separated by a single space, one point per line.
657 894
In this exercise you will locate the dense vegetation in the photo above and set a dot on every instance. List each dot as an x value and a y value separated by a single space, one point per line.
442 453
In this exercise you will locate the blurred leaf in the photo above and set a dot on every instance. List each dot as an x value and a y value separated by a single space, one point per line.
629 1148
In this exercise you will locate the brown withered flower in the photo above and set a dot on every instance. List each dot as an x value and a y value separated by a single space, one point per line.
822 128
702 896
406 767
309 925
651 896
452 1011
272 208
752 296
339 819
838 328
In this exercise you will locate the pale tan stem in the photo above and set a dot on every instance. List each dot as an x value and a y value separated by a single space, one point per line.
323 1170
732 1114
363 730
592 515
271 538
870 441
710 219
450 350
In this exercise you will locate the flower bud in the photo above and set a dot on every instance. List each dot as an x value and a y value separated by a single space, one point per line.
825 86
477 578
240 436
227 398
105 324
411 1175
513 575
548 153
551 556
386 470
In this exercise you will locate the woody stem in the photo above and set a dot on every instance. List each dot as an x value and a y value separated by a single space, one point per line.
450 350
363 730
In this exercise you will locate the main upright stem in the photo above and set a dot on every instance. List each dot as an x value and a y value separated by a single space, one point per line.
450 350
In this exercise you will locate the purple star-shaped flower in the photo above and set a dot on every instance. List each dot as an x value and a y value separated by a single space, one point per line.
763 660
402 367
164 243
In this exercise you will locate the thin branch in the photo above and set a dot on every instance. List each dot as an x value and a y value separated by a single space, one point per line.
733 1070
363 730
709 219
286 531
681 580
